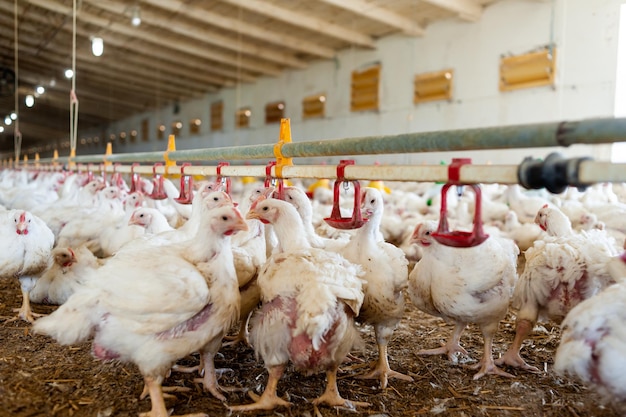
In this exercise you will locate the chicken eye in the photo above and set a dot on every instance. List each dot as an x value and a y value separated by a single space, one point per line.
372 201
215 199
265 208
224 218
427 233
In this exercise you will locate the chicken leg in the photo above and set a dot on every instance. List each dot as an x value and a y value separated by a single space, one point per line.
25 312
382 370
331 395
487 365
269 400
512 356
156 399
209 378
452 346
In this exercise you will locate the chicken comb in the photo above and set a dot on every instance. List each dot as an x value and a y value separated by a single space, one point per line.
545 206
23 217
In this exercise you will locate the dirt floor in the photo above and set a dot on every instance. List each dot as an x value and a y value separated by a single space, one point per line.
40 378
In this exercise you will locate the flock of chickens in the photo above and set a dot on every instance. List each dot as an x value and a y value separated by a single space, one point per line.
152 280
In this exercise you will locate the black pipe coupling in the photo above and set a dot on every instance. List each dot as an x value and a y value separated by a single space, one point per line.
555 173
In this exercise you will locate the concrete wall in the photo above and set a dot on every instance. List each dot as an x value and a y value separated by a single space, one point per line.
585 33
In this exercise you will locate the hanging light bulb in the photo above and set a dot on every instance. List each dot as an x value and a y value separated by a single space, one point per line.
40 89
97 46
8 121
13 116
29 100
135 19
1 129
69 73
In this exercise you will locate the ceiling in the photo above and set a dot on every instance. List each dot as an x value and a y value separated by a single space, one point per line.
182 50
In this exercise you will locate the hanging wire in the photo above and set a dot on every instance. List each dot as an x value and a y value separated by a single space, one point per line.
238 87
73 98
17 135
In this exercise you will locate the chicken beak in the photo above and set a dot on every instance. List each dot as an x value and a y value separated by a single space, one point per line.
22 228
239 225
253 215
22 225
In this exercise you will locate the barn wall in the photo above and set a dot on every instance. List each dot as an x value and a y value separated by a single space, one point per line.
585 34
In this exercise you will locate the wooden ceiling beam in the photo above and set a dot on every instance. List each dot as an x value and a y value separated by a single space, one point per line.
465 9
138 56
237 26
157 41
319 26
85 66
87 62
379 14
200 33
102 87
160 57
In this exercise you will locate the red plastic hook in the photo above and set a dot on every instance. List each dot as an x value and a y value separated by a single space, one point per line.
90 176
186 186
268 174
116 177
457 238
158 191
279 193
223 180
135 179
335 220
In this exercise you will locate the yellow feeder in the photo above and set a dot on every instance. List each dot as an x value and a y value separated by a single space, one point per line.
248 180
379 185
324 182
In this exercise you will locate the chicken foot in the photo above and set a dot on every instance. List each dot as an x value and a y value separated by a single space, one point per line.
331 395
209 378
452 346
382 370
25 312
487 365
269 400
512 356
153 385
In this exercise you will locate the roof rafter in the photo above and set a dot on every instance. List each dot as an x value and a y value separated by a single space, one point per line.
304 21
237 26
380 14
466 9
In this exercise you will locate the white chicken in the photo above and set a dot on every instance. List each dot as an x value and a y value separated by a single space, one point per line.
24 252
157 304
307 317
59 213
386 274
114 237
561 270
593 343
81 229
523 234
151 219
462 286
68 271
